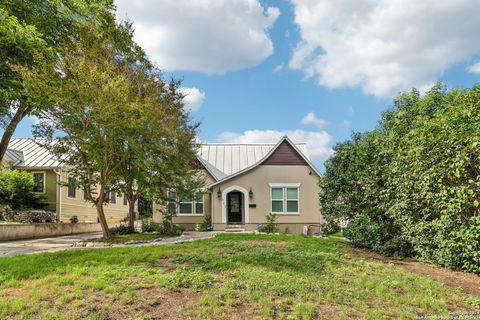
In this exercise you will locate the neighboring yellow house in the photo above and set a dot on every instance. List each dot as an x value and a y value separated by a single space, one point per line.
245 182
26 154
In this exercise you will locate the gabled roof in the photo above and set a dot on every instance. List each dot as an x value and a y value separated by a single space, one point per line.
225 161
33 155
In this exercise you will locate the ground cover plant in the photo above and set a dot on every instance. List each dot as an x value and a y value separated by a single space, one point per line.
231 276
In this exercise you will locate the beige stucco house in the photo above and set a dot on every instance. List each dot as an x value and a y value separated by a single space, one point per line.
245 182
48 172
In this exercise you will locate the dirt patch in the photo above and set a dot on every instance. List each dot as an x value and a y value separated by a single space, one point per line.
167 264
467 282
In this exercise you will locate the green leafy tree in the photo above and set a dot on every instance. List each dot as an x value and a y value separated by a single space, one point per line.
91 115
29 28
412 185
162 150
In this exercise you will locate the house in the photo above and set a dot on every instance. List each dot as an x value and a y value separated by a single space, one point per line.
26 154
245 182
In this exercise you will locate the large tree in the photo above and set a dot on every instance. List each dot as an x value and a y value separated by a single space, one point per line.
91 113
161 152
29 28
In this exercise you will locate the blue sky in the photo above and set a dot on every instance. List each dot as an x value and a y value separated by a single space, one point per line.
253 70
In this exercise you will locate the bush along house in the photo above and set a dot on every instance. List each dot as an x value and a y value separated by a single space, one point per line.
245 182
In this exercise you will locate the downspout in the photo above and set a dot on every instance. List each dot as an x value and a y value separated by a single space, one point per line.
59 194
211 208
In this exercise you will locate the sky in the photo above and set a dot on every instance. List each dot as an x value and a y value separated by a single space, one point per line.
315 70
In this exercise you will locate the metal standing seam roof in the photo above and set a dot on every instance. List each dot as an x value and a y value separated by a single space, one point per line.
14 156
223 160
34 155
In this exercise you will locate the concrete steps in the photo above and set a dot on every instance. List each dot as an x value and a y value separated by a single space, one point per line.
235 228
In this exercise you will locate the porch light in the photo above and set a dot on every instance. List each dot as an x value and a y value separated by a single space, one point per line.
219 193
250 193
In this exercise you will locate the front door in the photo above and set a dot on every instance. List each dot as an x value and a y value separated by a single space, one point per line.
234 201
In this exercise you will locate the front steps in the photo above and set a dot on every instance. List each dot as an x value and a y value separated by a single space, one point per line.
235 228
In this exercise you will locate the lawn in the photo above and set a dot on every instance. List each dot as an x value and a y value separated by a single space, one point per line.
231 276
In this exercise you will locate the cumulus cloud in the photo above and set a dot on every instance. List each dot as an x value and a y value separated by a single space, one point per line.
209 36
475 68
317 142
193 98
312 119
383 46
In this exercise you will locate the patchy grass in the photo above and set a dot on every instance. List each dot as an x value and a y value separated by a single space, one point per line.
231 276
124 238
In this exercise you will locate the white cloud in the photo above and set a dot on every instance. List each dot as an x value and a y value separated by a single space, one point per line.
193 98
209 36
474 68
317 142
350 110
278 68
311 118
345 123
383 46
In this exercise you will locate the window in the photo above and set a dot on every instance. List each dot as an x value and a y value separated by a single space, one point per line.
125 202
199 203
186 205
113 196
172 202
85 195
39 179
71 191
285 199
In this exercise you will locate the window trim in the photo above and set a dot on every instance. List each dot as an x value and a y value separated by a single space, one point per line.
68 187
44 181
284 187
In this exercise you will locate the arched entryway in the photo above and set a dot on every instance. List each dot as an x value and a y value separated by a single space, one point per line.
235 205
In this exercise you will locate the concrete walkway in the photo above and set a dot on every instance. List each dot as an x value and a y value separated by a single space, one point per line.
22 247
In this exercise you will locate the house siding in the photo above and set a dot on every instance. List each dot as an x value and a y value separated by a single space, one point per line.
258 180
285 155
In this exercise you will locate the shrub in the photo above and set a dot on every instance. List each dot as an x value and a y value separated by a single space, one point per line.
206 225
330 227
120 229
271 226
410 186
16 190
148 225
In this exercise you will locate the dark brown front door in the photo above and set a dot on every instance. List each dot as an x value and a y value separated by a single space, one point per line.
234 201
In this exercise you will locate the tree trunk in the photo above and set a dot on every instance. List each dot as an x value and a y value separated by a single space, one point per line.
7 135
131 213
103 221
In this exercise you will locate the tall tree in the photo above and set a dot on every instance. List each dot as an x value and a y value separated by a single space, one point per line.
161 151
30 27
90 115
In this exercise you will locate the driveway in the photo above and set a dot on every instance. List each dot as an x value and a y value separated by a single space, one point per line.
20 247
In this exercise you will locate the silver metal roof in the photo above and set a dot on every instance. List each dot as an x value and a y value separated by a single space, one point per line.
34 155
223 160
13 156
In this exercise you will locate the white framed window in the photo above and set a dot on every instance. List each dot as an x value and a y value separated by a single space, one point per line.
39 180
186 206
285 198
71 190
125 200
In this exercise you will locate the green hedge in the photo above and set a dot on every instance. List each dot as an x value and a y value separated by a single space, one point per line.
16 190
411 187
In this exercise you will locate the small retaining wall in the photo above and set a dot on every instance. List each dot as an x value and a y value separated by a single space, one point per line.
44 230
